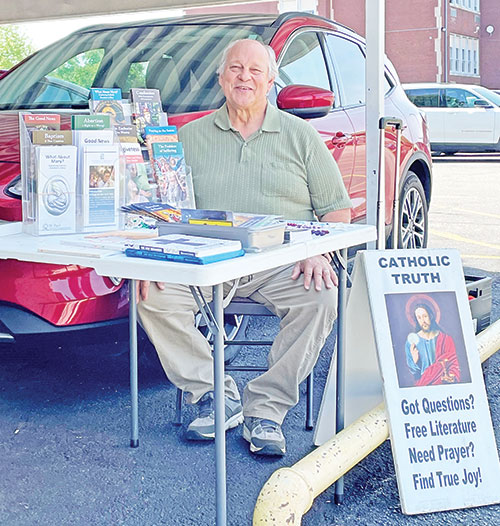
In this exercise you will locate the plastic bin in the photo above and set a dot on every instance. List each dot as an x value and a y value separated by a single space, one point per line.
479 292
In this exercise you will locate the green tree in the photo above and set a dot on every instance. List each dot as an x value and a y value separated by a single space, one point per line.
14 46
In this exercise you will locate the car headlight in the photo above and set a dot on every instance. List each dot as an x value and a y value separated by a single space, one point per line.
15 188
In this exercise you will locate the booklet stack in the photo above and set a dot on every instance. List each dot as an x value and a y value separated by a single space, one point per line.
186 249
98 171
254 231
48 167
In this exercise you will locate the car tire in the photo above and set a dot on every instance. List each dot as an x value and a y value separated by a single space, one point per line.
413 214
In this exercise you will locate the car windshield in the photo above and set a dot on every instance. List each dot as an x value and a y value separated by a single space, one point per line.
488 94
179 60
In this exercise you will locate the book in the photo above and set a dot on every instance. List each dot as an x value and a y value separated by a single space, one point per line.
51 137
55 172
146 109
90 122
67 250
186 249
100 186
189 215
173 180
116 240
159 134
109 102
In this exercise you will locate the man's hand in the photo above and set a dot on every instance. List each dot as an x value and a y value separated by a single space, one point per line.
318 269
142 289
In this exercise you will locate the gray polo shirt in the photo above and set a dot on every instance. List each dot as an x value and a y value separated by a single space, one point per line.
283 168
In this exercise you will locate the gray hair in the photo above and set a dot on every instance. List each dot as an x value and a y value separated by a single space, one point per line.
272 65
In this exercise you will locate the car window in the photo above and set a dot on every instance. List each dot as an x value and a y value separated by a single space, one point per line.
424 97
80 69
179 60
303 63
492 96
349 64
459 98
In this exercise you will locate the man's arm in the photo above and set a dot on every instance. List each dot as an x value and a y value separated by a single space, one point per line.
338 216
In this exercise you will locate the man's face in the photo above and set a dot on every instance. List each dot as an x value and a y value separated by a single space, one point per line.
245 81
423 319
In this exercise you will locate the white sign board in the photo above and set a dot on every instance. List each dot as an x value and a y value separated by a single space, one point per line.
441 432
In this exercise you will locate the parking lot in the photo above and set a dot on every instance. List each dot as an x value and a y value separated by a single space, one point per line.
465 209
64 417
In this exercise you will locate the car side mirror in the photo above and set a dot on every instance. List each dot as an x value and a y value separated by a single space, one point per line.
481 103
308 102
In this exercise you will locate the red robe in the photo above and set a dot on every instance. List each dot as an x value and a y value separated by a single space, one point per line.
445 368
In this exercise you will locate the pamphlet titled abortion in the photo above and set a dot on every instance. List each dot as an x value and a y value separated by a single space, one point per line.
442 436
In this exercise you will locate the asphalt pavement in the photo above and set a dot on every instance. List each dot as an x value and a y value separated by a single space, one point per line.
65 457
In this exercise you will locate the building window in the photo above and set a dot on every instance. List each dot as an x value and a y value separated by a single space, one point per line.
464 53
470 5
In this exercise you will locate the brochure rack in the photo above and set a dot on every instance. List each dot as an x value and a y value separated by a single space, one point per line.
69 188
77 181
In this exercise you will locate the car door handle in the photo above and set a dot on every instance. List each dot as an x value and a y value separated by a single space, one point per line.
340 138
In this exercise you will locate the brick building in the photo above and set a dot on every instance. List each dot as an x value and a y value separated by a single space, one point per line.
427 40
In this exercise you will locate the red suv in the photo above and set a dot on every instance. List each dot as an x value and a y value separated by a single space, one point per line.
180 57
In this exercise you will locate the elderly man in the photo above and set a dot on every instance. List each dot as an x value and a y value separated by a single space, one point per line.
250 157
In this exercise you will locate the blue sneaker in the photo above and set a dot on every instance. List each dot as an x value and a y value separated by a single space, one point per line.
265 437
203 426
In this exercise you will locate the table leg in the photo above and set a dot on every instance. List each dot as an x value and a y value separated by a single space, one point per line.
134 439
220 413
339 422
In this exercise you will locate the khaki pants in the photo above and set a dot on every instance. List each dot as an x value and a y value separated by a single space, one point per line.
307 318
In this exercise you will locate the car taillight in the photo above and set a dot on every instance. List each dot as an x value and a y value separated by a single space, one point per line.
14 188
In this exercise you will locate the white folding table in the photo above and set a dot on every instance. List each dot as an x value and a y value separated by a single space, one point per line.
25 247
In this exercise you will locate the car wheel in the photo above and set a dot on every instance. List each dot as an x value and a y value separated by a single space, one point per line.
413 214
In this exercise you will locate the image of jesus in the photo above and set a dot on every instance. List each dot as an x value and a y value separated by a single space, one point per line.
430 353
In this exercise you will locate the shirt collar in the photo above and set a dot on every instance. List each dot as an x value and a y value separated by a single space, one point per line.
271 120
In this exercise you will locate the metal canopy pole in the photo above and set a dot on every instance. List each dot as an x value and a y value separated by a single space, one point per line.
374 71
375 32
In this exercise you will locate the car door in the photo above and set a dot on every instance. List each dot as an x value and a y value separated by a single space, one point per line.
430 100
465 122
302 61
349 64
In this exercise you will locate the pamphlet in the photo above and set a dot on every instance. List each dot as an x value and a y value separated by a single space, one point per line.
109 102
159 134
174 182
56 183
100 182
146 109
